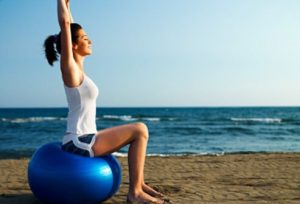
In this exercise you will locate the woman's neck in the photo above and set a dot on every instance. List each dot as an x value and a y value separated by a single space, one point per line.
79 61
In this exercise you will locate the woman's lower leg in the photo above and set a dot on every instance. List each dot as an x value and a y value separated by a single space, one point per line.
136 135
136 162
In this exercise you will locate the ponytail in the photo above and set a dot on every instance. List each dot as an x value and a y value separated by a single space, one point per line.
52 44
50 50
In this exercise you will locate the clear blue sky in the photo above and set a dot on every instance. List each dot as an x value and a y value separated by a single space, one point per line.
159 52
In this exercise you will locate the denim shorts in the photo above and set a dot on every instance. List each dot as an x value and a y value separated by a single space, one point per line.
81 145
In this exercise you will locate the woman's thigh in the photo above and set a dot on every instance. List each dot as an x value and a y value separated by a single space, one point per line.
112 139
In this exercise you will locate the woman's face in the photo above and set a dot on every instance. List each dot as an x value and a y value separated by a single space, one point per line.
83 46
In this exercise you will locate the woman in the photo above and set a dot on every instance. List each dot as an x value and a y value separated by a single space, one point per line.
81 136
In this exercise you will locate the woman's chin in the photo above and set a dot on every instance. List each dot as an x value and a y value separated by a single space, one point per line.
88 53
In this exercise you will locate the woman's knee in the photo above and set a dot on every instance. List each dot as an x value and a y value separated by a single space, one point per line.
141 130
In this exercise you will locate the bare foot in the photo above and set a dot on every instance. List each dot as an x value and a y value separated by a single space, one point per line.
151 191
142 198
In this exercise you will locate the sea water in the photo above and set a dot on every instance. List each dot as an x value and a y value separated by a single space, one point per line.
173 131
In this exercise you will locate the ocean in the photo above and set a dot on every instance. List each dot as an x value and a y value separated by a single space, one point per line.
173 131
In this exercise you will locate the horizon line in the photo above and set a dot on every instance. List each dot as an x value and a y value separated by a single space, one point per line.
227 106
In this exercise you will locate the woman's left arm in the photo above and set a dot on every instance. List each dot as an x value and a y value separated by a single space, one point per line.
69 9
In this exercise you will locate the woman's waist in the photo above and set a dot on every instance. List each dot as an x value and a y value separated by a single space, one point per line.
72 135
81 125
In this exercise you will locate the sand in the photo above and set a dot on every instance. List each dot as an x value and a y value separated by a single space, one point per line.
237 178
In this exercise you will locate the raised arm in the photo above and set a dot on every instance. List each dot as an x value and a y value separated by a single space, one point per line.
69 9
70 72
63 11
65 20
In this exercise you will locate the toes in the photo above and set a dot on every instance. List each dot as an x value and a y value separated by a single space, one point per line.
141 200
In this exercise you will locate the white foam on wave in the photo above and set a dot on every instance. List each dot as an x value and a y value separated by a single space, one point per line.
121 117
30 119
151 119
130 118
265 120
118 154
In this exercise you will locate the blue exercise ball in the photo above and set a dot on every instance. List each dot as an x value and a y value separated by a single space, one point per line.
56 176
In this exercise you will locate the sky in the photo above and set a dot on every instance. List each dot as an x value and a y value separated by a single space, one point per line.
150 53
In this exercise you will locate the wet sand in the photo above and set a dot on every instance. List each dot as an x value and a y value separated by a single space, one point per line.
236 178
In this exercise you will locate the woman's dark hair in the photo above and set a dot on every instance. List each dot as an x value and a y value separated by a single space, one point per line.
52 44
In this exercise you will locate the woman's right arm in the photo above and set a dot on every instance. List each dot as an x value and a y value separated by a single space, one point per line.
70 71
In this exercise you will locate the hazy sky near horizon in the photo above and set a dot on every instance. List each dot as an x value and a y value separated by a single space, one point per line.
159 52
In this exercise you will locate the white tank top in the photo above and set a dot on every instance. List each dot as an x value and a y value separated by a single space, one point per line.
82 107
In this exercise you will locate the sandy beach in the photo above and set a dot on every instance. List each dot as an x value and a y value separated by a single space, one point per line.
237 178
